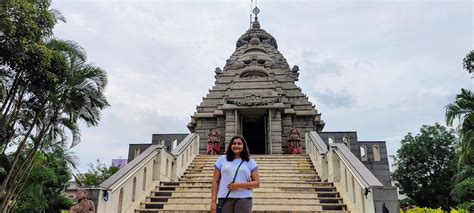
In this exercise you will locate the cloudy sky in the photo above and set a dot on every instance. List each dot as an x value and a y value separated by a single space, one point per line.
381 68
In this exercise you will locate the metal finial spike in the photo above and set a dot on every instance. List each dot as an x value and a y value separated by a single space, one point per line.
256 11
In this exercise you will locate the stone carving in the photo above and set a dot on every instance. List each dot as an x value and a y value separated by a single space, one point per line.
253 100
214 142
84 205
295 68
294 139
218 71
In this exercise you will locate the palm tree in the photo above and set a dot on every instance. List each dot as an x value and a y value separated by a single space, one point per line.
462 110
77 95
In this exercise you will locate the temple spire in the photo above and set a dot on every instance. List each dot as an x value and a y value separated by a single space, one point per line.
256 24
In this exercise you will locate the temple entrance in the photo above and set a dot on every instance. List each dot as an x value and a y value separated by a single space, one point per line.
254 131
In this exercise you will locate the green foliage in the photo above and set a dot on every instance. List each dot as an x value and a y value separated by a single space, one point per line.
45 184
428 210
463 110
426 164
46 89
97 174
406 202
468 62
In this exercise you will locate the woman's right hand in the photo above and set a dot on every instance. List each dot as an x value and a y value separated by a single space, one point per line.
213 207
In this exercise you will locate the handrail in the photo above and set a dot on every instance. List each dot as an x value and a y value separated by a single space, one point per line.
354 165
131 168
183 145
332 163
137 163
318 141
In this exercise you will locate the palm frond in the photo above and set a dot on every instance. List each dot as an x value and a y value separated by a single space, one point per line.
57 15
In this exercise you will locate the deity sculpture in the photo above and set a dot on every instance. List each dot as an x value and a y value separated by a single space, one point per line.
214 142
294 138
84 205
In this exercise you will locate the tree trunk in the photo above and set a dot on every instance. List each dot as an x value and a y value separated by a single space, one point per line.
7 137
26 166
12 91
13 171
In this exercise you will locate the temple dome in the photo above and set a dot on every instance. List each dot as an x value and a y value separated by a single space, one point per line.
256 31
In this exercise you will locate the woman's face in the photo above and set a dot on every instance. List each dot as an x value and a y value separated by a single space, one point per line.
237 146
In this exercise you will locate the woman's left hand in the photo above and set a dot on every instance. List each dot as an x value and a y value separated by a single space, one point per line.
232 187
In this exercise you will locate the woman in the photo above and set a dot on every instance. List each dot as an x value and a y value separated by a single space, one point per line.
240 192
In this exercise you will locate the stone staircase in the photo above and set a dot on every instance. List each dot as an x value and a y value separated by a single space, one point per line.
288 183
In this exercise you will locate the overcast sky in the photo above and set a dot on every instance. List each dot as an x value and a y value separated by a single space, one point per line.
381 68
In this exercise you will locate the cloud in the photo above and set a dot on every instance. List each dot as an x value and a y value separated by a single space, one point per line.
333 99
382 68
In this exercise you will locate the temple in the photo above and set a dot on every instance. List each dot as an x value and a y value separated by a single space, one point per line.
255 95
302 167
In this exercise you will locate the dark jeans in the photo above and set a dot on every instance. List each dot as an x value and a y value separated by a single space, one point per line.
236 205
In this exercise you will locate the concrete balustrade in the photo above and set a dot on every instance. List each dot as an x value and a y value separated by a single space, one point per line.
360 189
131 184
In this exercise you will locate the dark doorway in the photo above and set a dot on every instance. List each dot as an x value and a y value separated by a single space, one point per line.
253 129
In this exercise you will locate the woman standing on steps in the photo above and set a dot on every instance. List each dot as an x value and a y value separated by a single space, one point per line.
235 175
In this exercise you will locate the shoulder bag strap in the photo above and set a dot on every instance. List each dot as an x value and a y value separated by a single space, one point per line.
235 176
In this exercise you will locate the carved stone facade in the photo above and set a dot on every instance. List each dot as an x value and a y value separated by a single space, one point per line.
255 95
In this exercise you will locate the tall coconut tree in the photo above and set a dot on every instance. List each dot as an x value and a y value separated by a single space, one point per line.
77 95
462 110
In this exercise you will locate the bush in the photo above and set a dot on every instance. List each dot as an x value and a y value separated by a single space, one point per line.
428 210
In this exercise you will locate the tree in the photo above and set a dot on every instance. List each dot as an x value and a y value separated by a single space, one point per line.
425 165
43 189
463 110
46 88
97 174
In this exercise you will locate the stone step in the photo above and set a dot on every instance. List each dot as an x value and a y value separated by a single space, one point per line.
267 171
259 161
257 194
264 184
262 207
256 201
261 175
253 210
261 188
322 194
270 182
289 183
285 156
262 179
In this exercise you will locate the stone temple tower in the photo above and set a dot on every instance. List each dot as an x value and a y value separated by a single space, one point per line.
255 95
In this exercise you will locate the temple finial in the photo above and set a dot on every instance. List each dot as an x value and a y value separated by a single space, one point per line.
256 24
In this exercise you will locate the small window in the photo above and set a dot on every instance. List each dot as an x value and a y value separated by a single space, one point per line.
136 153
174 144
347 141
144 179
331 140
363 153
134 188
162 141
120 201
376 150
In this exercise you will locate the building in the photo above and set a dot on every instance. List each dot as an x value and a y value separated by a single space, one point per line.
255 95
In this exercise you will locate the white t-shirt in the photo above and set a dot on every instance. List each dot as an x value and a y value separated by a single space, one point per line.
227 169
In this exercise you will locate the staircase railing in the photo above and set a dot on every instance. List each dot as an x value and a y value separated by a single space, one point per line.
359 188
126 189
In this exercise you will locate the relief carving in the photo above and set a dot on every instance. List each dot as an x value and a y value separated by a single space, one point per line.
214 142
294 142
254 100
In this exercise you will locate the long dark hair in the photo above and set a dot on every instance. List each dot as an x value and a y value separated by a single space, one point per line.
245 155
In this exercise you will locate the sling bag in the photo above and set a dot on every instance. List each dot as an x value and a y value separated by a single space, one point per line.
219 207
